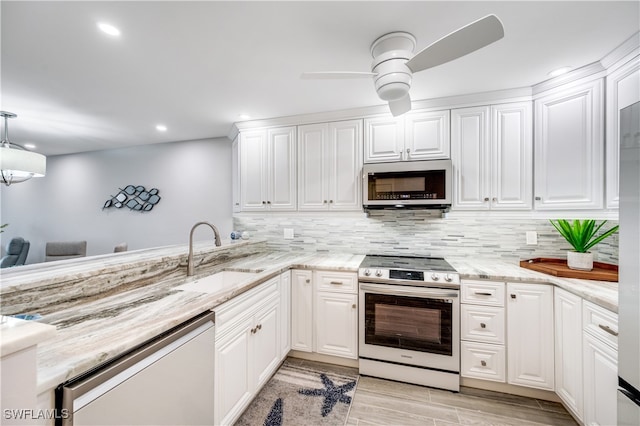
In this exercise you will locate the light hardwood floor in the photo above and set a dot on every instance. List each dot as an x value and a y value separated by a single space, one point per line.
384 402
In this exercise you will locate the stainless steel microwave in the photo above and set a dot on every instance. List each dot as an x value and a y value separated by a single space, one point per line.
424 184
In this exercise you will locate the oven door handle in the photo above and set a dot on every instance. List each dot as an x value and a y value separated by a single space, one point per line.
400 291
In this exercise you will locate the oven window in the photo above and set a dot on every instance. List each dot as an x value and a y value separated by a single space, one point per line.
411 323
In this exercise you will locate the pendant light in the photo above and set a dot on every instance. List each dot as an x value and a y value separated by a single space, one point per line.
16 163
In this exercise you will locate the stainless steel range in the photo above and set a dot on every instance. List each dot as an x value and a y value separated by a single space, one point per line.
409 318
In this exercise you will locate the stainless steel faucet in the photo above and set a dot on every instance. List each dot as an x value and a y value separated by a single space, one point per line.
190 258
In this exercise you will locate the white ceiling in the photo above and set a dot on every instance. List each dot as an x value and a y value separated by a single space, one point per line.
195 66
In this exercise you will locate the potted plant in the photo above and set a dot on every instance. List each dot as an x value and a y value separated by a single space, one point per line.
581 234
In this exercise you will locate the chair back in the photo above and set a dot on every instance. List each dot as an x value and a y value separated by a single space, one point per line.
17 251
58 250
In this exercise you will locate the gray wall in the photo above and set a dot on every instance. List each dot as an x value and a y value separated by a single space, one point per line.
193 177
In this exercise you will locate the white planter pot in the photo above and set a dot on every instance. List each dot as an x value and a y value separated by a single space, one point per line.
580 261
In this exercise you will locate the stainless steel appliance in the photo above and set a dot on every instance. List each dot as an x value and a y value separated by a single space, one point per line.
409 328
166 381
424 184
629 286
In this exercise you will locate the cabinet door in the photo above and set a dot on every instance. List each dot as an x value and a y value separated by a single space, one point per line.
302 310
383 139
530 335
235 174
427 135
623 89
600 382
312 158
233 380
511 157
264 348
569 146
253 170
568 349
470 158
345 165
285 314
282 168
337 324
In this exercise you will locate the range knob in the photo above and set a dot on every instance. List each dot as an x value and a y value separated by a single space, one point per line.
378 273
448 278
367 272
435 277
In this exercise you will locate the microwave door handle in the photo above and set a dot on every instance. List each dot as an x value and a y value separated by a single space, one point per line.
399 291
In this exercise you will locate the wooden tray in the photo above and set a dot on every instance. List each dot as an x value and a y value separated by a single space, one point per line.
559 268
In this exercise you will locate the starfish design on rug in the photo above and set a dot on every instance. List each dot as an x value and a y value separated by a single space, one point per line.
275 415
331 393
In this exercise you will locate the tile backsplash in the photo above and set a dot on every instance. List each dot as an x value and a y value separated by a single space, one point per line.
416 232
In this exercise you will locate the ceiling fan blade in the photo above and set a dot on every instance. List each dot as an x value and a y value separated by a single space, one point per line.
459 43
400 106
326 75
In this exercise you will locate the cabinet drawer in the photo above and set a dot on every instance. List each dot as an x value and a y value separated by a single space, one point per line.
601 323
245 305
345 282
488 293
482 323
483 361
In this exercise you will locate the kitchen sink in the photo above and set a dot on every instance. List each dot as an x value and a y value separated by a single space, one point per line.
217 282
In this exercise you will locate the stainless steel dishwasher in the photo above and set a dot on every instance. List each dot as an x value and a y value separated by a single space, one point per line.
165 381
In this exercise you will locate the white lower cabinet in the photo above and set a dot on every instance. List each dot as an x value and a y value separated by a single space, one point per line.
324 312
530 335
247 348
482 330
568 350
337 324
285 314
600 372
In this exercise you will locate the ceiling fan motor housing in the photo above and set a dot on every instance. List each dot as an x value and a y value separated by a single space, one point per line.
390 55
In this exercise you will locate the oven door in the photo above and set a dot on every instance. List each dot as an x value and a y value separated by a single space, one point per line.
410 325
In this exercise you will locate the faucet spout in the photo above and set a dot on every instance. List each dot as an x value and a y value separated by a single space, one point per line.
190 258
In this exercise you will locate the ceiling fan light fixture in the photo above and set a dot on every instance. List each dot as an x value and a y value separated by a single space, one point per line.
16 163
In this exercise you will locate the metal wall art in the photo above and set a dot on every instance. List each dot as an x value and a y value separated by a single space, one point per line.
134 197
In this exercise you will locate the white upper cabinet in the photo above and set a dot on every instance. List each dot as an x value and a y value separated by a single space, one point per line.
330 162
569 147
623 89
422 135
268 169
491 151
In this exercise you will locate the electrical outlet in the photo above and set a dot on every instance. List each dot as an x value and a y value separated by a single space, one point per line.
288 234
532 237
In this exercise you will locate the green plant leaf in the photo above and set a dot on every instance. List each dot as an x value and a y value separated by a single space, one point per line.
581 235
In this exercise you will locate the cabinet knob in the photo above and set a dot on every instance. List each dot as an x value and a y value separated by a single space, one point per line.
483 325
259 326
324 202
264 202
486 199
253 331
538 198
330 201
307 280
483 363
494 199
513 296
353 306
268 202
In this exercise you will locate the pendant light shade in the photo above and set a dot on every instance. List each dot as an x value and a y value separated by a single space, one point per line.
16 163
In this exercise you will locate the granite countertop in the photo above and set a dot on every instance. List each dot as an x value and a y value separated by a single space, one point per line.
93 332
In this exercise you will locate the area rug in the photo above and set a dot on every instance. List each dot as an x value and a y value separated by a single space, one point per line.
303 393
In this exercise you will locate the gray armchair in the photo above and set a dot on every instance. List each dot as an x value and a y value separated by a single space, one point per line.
17 251
64 250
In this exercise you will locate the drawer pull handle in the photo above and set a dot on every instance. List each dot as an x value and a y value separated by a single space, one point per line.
253 331
483 363
336 282
483 325
608 329
483 293
513 296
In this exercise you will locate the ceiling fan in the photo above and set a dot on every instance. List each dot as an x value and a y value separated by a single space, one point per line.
394 62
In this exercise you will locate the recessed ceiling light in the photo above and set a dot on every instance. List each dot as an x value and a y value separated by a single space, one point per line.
29 146
108 29
244 116
559 71
161 128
